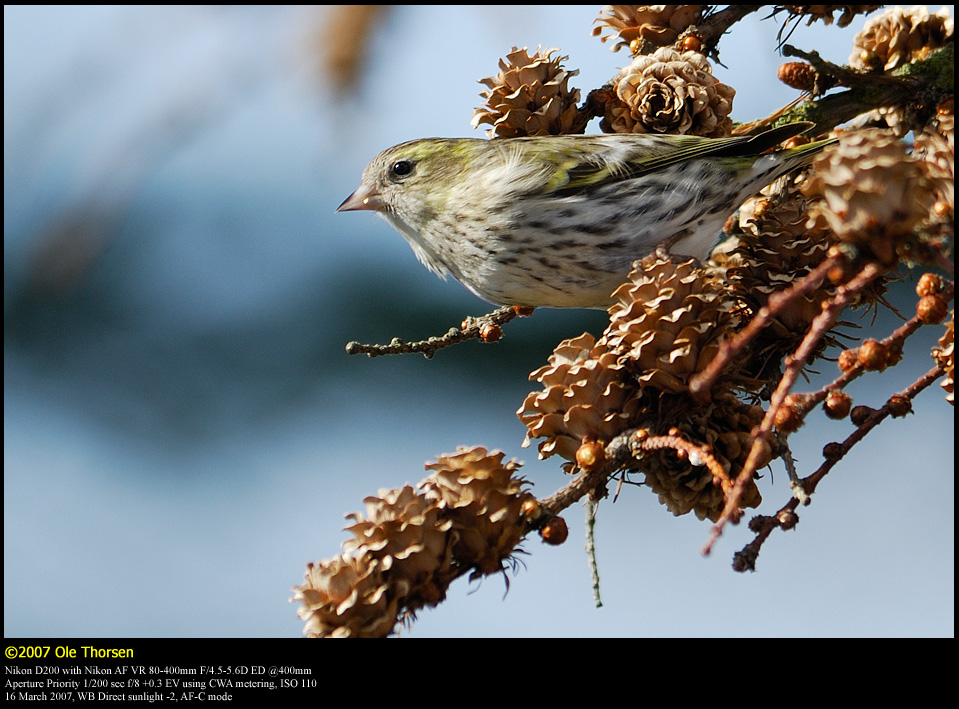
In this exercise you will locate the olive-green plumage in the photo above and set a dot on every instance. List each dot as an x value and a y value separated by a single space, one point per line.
557 221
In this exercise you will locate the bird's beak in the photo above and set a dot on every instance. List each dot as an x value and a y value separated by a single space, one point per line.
365 197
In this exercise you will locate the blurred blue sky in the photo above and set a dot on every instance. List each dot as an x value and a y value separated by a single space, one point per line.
183 430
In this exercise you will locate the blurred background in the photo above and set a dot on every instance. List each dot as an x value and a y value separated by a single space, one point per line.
183 430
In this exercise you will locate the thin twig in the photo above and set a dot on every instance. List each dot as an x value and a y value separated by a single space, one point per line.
820 325
893 343
626 448
591 506
471 329
697 455
795 483
763 525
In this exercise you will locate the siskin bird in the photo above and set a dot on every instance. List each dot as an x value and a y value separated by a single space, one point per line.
557 221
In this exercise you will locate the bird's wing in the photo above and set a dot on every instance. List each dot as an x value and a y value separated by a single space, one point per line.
609 159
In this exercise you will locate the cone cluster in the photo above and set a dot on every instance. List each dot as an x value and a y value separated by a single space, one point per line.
530 96
413 542
773 249
585 396
638 26
666 325
669 92
875 193
900 36
725 426
668 322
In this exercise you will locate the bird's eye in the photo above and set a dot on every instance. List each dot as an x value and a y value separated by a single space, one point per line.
401 168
